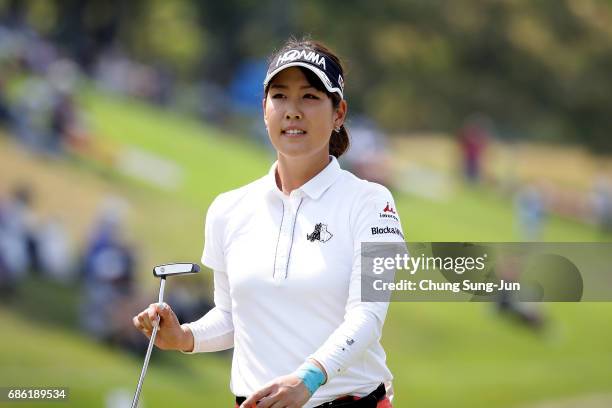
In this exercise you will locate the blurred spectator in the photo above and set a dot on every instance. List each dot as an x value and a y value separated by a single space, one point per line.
530 211
65 124
18 251
509 268
5 111
218 112
108 275
602 203
48 118
117 73
63 119
38 54
368 156
473 139
33 112
42 113
54 255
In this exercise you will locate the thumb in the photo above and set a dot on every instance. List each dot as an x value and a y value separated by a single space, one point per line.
164 311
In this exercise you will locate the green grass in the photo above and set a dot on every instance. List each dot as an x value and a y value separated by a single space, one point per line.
43 355
476 214
442 354
461 354
213 161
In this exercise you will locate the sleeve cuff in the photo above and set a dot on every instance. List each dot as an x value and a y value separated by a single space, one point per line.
332 370
195 340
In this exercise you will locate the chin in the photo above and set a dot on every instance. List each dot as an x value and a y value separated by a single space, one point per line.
299 148
295 152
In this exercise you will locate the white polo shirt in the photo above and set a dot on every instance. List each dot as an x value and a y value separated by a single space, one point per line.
287 281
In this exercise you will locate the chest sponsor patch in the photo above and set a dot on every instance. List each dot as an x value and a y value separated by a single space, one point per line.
386 230
320 233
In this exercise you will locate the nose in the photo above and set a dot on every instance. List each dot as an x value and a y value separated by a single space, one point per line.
293 113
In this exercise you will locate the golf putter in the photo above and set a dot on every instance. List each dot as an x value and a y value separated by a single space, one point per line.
162 272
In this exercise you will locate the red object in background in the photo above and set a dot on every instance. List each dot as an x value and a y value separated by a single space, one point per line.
473 139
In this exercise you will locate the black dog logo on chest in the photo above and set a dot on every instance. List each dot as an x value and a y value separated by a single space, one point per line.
320 233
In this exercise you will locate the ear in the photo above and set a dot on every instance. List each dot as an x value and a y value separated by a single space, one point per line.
263 106
340 113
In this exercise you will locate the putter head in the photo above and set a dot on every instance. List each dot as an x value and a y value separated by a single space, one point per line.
161 271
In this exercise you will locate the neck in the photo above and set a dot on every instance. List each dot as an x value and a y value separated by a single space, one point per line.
293 172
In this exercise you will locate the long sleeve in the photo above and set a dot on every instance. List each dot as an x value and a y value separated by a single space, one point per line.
215 330
363 321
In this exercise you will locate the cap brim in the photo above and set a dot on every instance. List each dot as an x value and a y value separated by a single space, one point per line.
322 76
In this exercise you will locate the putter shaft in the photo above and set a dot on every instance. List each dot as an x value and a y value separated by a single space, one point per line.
150 348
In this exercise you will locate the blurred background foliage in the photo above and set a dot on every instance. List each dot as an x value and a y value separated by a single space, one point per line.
540 69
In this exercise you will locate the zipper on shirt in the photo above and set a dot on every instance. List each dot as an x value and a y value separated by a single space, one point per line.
286 251
292 234
280 228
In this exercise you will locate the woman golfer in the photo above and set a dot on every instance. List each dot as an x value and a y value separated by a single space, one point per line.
286 255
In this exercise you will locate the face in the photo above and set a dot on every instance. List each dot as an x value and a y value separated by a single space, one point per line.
300 118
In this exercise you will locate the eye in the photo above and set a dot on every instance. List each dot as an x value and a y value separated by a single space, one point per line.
277 96
311 96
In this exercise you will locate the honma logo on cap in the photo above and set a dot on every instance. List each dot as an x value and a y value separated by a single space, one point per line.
318 62
306 55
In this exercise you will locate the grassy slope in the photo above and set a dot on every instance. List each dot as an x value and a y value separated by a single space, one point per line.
441 354
213 161
45 355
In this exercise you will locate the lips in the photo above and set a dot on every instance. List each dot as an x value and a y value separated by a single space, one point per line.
293 132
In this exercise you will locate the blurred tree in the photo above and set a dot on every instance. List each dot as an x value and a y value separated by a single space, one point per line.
167 32
238 30
539 69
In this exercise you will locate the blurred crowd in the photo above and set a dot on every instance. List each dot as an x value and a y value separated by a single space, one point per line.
26 246
103 272
38 108
39 83
535 200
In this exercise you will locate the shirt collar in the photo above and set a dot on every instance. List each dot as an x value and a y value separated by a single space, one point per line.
313 188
